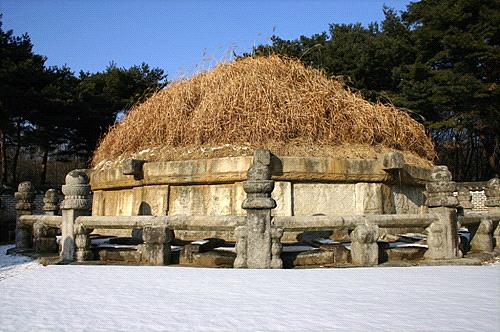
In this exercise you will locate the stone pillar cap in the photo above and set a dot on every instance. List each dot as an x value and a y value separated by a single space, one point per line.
77 176
440 173
25 186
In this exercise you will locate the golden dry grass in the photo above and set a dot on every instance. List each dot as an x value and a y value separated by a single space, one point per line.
270 102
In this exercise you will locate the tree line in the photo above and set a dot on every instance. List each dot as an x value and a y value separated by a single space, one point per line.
51 111
438 60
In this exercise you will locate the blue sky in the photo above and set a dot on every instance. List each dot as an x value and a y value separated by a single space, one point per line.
178 36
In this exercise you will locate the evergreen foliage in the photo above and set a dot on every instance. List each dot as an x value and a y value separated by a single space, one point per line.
51 111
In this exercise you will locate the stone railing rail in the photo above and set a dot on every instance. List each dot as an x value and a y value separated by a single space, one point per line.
50 221
324 223
476 217
180 222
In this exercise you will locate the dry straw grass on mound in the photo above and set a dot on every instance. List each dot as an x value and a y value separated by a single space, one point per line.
270 102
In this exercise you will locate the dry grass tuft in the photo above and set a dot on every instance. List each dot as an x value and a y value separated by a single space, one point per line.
270 102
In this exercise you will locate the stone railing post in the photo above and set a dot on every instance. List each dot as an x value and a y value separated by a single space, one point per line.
76 203
482 236
258 246
51 202
44 236
492 193
241 247
276 248
82 243
156 248
464 199
364 247
442 236
25 197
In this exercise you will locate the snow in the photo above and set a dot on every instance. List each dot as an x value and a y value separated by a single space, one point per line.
10 266
412 245
326 241
123 298
200 242
298 248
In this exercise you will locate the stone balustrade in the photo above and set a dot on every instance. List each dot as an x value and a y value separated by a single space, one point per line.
258 234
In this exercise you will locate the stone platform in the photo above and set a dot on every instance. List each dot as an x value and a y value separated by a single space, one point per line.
304 186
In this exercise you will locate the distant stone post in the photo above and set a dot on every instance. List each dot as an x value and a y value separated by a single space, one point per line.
464 199
76 203
156 248
44 237
25 197
51 202
364 247
492 193
442 236
258 245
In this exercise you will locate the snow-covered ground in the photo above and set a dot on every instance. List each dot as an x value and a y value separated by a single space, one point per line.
123 298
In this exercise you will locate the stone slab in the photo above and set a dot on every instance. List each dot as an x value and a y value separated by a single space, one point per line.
216 170
151 200
324 198
201 200
369 198
214 258
406 200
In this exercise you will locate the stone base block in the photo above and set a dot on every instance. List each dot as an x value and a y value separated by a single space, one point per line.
121 255
212 258
405 254
340 254
45 245
155 254
308 258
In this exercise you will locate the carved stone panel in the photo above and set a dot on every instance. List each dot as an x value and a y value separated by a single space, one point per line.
407 200
204 200
324 198
369 198
118 202
151 200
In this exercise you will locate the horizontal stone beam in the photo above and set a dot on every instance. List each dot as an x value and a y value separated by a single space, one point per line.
471 218
234 169
51 221
180 222
229 223
321 223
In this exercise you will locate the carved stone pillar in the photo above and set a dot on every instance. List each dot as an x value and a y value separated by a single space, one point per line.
482 239
76 203
44 238
492 193
364 247
276 248
82 243
25 197
156 248
464 199
241 247
259 251
442 236
51 202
